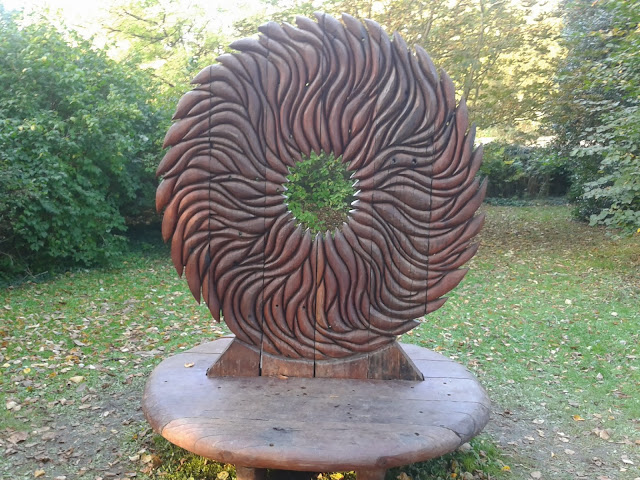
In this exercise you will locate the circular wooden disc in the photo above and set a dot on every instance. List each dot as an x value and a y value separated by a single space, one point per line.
314 424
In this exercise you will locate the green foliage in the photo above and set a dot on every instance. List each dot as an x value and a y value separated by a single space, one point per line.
178 464
482 459
171 41
320 192
596 112
77 145
500 55
523 172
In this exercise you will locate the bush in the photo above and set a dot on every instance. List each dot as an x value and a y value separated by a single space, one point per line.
595 111
320 192
77 148
523 171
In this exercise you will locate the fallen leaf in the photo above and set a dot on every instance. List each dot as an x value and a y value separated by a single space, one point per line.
77 379
568 451
223 475
465 447
38 473
578 418
626 460
189 365
506 468
11 405
536 475
602 433
17 437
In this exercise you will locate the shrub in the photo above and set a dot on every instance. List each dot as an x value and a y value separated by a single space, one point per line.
320 192
77 141
523 171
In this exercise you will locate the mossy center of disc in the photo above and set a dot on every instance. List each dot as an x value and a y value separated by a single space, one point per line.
319 192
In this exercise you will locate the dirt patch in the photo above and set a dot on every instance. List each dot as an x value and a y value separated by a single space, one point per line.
538 445
93 439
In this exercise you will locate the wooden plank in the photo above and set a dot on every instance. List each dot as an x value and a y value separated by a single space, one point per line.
292 446
315 424
237 360
276 366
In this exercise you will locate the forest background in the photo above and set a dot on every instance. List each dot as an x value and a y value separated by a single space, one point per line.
553 87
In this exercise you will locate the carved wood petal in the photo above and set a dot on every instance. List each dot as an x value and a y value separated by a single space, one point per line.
347 89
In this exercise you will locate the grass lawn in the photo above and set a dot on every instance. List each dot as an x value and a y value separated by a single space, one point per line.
548 318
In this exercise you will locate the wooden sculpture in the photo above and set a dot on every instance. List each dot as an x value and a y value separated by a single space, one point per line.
314 378
346 90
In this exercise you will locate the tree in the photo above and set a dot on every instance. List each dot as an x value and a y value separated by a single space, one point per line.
596 111
500 53
77 139
169 40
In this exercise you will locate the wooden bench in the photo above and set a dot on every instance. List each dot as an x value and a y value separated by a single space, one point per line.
314 379
314 424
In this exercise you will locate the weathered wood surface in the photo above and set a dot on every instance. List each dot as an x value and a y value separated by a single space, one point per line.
387 363
314 424
346 89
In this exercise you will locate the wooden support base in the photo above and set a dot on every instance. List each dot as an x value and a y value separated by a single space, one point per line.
371 474
314 424
242 360
247 473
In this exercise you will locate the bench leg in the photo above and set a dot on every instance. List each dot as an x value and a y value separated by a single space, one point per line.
248 473
373 474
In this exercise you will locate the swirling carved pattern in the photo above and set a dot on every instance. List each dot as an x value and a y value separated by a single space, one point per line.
347 89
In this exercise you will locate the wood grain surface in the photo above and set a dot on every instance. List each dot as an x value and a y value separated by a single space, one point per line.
344 88
314 424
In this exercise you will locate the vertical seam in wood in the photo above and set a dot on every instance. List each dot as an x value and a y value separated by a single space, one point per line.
261 301
209 273
377 92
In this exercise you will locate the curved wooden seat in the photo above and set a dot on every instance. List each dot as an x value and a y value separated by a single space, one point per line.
314 424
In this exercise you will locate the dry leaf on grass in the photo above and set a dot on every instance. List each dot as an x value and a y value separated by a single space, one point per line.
604 434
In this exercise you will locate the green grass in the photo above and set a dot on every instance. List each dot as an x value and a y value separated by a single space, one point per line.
548 319
482 457
551 308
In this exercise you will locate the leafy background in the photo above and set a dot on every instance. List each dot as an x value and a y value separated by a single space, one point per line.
553 88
